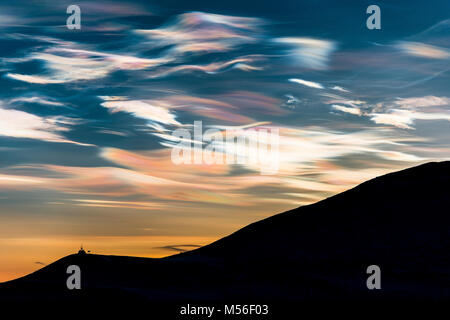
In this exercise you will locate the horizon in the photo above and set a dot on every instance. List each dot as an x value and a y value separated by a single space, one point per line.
90 117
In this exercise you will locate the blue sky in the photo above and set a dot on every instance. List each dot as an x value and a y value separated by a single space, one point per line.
86 115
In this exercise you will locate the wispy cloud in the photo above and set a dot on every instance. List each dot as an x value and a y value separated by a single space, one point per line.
38 100
423 50
32 79
405 118
243 63
68 64
8 180
427 101
351 110
118 204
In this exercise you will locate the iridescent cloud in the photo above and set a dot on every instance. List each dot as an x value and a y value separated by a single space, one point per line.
204 32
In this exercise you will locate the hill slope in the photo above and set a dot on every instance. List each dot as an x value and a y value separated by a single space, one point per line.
399 222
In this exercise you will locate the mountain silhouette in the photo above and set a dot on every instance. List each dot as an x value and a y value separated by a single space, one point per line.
399 222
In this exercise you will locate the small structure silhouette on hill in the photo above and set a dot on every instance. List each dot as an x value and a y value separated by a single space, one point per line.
81 251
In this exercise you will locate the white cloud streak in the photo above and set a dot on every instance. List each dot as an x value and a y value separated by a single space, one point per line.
143 110
20 124
307 83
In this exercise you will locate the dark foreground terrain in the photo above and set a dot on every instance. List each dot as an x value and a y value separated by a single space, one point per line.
315 253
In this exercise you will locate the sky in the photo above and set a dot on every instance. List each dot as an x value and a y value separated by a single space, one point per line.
87 116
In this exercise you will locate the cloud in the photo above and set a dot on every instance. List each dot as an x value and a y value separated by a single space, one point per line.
400 113
195 43
207 107
404 119
7 180
426 101
307 83
67 65
348 102
423 50
242 63
351 110
338 88
311 53
113 98
20 124
403 112
32 79
115 133
36 38
180 247
292 101
37 100
298 148
151 175
118 204
143 110
153 179
204 32
396 118
302 146
191 32
234 106
254 102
